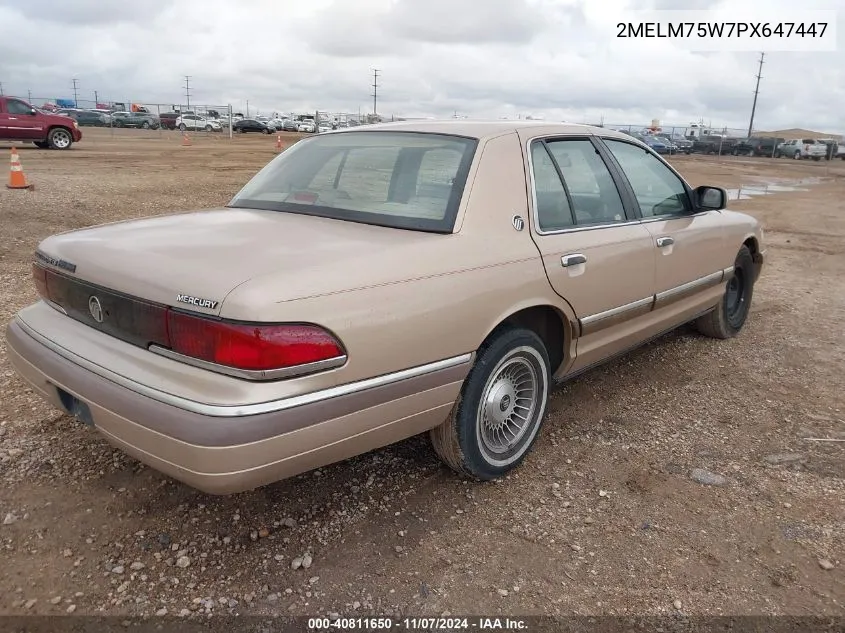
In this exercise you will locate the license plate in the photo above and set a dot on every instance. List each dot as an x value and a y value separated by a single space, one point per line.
75 407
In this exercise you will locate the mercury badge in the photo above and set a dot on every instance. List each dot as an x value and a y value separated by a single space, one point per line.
518 222
197 301
95 309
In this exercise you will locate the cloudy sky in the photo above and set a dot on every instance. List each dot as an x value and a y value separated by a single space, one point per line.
551 59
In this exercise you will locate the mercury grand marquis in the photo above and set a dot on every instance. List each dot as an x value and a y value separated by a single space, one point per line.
372 284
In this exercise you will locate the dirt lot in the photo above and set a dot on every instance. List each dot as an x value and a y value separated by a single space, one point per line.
603 518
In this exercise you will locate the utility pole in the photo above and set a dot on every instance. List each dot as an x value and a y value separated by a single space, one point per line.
756 90
28 95
187 92
375 93
247 108
96 98
1 88
75 100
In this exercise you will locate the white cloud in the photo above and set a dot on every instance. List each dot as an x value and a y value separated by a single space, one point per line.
483 58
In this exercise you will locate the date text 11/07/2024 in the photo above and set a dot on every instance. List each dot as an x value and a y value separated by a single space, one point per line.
691 30
418 624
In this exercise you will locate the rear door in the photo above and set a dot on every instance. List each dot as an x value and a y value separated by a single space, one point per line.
597 255
688 243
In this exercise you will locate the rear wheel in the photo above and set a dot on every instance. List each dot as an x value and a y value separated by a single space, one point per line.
146 125
728 318
500 409
208 128
182 127
59 138
797 156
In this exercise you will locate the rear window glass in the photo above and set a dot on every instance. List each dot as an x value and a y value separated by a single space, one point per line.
405 180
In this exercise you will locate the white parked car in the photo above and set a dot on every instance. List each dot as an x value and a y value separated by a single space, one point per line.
324 126
306 126
196 122
802 148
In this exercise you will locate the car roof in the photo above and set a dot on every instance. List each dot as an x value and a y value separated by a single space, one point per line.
484 129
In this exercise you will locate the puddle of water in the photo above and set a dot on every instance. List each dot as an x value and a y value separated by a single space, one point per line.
769 187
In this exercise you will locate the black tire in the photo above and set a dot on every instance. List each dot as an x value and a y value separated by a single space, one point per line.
183 127
461 442
266 130
797 156
208 128
146 125
728 318
59 138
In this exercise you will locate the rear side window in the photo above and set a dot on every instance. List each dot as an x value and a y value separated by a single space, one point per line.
406 180
573 186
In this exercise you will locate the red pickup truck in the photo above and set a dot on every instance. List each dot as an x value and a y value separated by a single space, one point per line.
19 121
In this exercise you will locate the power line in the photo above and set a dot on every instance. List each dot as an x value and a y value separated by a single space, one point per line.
375 92
187 92
75 99
756 91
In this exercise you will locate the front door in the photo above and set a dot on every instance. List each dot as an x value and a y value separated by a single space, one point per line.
597 255
20 123
689 244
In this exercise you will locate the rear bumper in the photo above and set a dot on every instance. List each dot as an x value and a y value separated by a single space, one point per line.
222 454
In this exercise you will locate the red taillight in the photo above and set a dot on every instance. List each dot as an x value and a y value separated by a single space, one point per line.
250 347
39 274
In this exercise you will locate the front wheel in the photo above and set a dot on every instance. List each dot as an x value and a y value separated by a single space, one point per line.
208 128
797 156
266 130
146 125
59 138
183 127
727 319
500 409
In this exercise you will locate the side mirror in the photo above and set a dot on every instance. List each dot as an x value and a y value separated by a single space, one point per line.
33 111
710 198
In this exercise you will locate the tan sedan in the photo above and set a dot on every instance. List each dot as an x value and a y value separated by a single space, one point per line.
368 285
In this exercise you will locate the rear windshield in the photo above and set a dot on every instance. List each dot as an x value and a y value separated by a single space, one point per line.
407 180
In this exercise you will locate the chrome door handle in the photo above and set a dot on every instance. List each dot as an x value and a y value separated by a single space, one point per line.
572 260
664 241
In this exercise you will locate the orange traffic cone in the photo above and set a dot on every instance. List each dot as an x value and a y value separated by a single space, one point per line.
279 143
17 179
186 142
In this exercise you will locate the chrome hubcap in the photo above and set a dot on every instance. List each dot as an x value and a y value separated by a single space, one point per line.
61 139
508 405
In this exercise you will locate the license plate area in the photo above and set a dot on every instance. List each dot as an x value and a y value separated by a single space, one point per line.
75 407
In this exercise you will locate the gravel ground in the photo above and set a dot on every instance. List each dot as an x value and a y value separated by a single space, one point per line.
676 480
